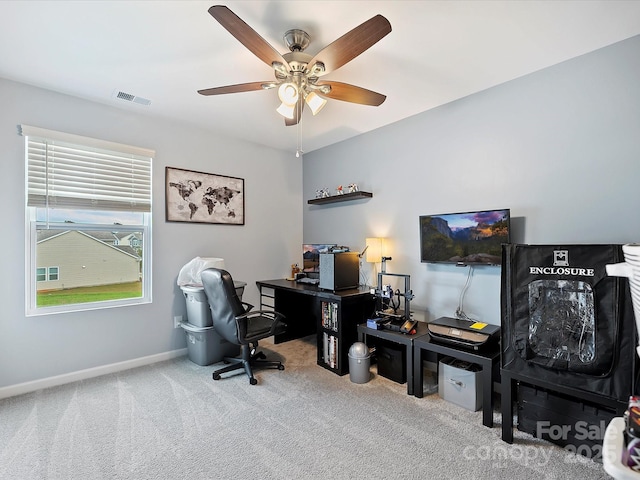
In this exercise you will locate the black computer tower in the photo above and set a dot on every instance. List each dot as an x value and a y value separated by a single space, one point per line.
339 271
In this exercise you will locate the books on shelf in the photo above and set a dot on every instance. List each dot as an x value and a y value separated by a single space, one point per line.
330 315
330 350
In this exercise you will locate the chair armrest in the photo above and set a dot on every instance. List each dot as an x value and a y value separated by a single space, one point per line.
247 306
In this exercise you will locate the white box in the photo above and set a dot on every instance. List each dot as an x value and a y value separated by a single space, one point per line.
460 382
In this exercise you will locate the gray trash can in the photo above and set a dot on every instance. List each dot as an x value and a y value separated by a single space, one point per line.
359 363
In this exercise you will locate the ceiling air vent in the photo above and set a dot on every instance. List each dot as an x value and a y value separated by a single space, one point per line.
131 98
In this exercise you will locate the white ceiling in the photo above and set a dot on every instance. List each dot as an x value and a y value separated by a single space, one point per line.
165 51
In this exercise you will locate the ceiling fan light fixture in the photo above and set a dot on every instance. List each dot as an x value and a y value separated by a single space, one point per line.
288 94
297 72
315 102
280 68
285 110
317 69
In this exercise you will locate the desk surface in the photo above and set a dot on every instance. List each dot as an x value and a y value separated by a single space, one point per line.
397 337
489 352
313 290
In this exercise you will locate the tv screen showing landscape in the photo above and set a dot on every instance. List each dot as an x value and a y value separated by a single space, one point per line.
468 238
311 256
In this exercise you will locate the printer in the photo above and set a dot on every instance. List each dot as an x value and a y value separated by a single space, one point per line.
464 333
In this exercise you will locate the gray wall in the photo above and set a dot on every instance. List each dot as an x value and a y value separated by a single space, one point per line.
560 148
39 347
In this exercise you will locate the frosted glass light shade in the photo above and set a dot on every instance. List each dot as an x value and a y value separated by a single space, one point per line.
288 94
285 110
315 102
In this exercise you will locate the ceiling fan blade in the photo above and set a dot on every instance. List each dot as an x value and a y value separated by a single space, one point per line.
351 44
241 87
297 114
247 36
351 93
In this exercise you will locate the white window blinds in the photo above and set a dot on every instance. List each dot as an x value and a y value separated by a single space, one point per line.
70 171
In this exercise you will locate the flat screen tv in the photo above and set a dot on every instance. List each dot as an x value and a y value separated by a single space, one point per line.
468 238
311 256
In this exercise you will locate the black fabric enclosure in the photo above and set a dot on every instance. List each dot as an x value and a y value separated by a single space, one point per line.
565 321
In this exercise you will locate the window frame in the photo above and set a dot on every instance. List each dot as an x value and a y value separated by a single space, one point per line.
32 225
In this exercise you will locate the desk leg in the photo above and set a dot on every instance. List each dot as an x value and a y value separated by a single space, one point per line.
487 394
507 407
418 381
409 366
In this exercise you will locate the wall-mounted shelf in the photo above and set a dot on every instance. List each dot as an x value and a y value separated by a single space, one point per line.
340 198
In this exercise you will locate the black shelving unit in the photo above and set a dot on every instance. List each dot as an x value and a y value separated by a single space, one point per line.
339 198
329 341
337 328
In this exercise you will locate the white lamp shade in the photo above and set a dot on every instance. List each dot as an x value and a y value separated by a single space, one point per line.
285 110
315 102
374 250
288 94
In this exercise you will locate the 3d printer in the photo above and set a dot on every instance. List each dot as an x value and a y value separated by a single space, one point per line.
389 316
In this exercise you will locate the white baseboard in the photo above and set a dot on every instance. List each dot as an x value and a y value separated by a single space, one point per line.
27 387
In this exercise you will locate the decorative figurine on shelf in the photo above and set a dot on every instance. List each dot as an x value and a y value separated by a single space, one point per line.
339 190
353 187
319 193
325 192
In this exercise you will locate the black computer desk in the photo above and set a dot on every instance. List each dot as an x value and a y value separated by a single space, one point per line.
304 306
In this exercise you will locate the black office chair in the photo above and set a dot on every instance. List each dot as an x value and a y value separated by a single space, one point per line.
234 322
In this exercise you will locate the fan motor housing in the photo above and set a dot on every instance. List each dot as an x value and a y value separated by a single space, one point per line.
296 40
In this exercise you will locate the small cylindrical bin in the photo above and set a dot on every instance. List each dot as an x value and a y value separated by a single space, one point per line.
359 363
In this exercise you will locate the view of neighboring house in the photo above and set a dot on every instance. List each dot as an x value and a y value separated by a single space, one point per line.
108 258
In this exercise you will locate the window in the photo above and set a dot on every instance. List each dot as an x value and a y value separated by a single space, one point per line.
53 273
46 273
88 223
41 274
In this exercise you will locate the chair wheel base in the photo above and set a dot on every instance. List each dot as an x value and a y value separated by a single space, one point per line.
280 367
253 381
216 376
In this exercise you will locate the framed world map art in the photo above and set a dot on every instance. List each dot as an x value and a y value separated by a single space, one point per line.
197 197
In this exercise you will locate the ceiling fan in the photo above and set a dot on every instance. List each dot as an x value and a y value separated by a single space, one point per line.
298 75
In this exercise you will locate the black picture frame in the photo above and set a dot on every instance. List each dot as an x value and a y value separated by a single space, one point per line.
199 197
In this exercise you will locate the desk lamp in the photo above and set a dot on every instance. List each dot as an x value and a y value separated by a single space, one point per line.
374 252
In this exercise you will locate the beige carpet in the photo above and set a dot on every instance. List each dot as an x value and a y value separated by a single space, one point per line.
172 421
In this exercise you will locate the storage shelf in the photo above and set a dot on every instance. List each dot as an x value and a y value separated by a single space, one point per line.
339 198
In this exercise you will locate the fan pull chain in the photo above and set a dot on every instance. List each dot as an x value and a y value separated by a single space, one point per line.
299 150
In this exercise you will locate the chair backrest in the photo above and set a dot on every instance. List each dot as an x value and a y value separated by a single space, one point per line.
224 303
